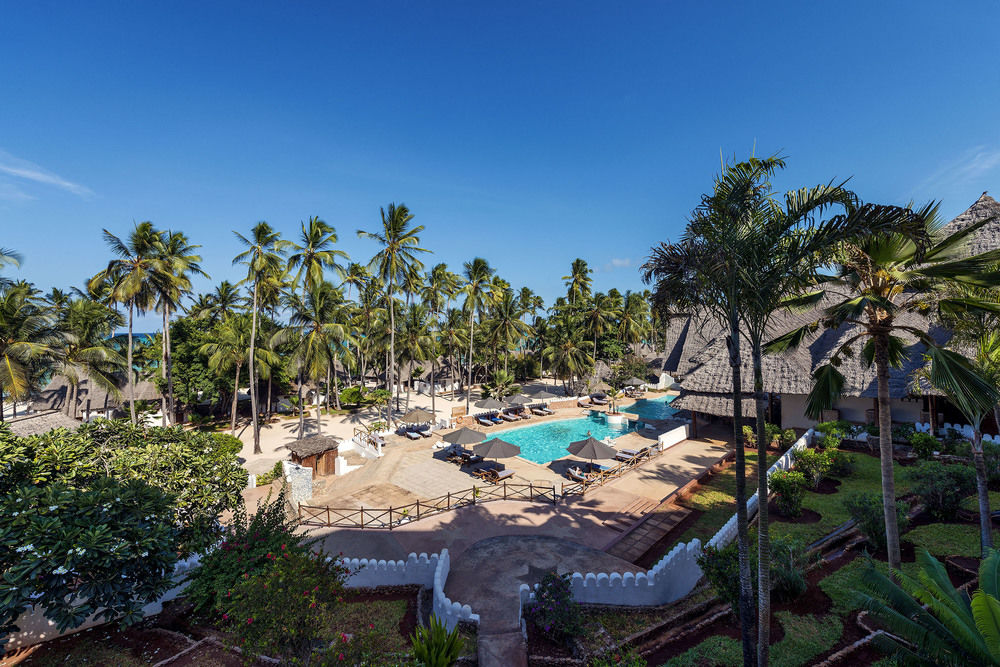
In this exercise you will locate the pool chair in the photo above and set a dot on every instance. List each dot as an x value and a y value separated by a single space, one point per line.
423 431
469 458
629 454
508 417
583 403
497 476
495 419
485 471
578 475
484 421
599 401
412 435
523 414
542 411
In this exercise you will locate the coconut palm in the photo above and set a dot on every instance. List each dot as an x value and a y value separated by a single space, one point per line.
134 277
565 350
229 353
507 328
27 336
355 275
477 294
86 352
579 281
633 322
314 253
930 621
179 262
394 264
599 314
877 280
368 312
440 287
263 258
8 257
453 336
415 341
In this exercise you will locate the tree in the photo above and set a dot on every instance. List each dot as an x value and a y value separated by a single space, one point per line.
932 623
440 288
500 386
394 264
598 316
86 351
579 281
262 257
477 294
877 281
415 341
564 351
506 326
27 336
216 306
134 278
8 257
453 335
314 253
228 352
633 322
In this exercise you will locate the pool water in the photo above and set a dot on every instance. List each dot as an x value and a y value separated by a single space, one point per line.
547 442
651 408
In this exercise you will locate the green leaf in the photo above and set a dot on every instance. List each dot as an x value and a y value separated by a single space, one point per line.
986 611
828 385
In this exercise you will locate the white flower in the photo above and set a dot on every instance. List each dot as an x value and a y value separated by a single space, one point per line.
60 570
144 554
26 547
53 508
15 513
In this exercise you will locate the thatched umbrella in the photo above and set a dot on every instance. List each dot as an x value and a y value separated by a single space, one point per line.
496 449
464 436
600 387
520 399
634 382
543 396
490 404
592 448
417 416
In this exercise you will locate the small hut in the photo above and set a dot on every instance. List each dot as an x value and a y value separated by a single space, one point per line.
318 452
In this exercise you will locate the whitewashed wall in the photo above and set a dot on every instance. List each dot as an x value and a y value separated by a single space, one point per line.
371 573
673 436
448 612
964 429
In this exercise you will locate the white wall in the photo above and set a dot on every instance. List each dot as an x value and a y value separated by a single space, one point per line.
852 409
371 573
448 612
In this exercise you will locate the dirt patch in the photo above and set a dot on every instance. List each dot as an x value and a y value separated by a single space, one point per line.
407 624
827 485
105 644
542 647
807 515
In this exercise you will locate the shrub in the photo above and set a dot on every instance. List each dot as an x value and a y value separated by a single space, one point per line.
828 441
352 396
953 441
276 471
248 546
788 487
627 659
814 464
749 436
866 510
839 428
841 463
434 646
788 438
108 549
773 432
991 457
227 445
285 608
788 566
902 432
924 445
554 611
942 488
722 569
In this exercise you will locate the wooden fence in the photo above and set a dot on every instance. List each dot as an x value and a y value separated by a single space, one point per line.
393 517
602 477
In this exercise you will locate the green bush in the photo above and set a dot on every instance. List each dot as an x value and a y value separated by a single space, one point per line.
924 445
839 428
788 487
108 549
629 658
902 432
227 445
953 442
991 457
866 510
276 472
722 569
352 396
284 609
434 646
788 565
248 547
554 611
942 488
788 438
814 464
841 463
749 436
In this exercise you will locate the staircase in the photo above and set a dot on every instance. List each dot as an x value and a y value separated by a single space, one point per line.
631 513
644 533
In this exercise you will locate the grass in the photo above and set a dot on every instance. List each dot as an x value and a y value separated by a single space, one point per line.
948 539
805 638
386 615
972 502
842 584
717 500
867 476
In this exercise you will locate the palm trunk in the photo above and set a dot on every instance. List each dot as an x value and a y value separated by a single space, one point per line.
171 403
319 417
253 375
163 367
236 398
433 360
985 522
300 406
328 371
745 610
390 376
2 408
472 333
885 450
128 368
270 402
336 387
763 536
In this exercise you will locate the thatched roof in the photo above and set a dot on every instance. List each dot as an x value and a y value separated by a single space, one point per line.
713 404
41 422
988 236
315 444
55 394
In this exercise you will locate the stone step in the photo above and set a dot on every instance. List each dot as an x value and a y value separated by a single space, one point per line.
653 527
629 514
506 649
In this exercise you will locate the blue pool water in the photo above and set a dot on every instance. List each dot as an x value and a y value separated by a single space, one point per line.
651 408
547 442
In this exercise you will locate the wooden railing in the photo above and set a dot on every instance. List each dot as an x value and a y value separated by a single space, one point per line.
602 477
392 517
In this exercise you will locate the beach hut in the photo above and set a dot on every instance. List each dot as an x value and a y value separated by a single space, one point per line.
318 452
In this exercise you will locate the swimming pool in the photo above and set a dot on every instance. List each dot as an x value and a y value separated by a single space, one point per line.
651 408
546 442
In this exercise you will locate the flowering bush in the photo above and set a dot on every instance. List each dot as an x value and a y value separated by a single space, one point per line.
248 547
788 487
72 552
814 464
554 611
284 610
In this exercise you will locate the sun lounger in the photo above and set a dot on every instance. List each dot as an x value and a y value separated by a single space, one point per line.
411 435
523 414
469 459
484 421
582 403
424 432
599 401
577 475
538 411
546 411
495 419
508 418
627 454
496 476
484 472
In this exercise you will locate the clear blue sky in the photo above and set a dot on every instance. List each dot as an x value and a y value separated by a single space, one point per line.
529 133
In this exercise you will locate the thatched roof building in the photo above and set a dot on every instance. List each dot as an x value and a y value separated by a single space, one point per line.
57 392
37 423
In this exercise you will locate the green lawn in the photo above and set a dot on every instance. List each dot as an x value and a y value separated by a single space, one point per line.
717 500
948 539
866 477
842 584
972 502
355 617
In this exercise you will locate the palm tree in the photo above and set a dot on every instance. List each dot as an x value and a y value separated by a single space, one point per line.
439 288
877 281
416 343
135 277
369 311
599 314
262 257
27 336
314 253
579 283
506 326
229 353
178 260
453 336
355 275
86 351
932 623
633 321
394 264
225 299
477 293
565 352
